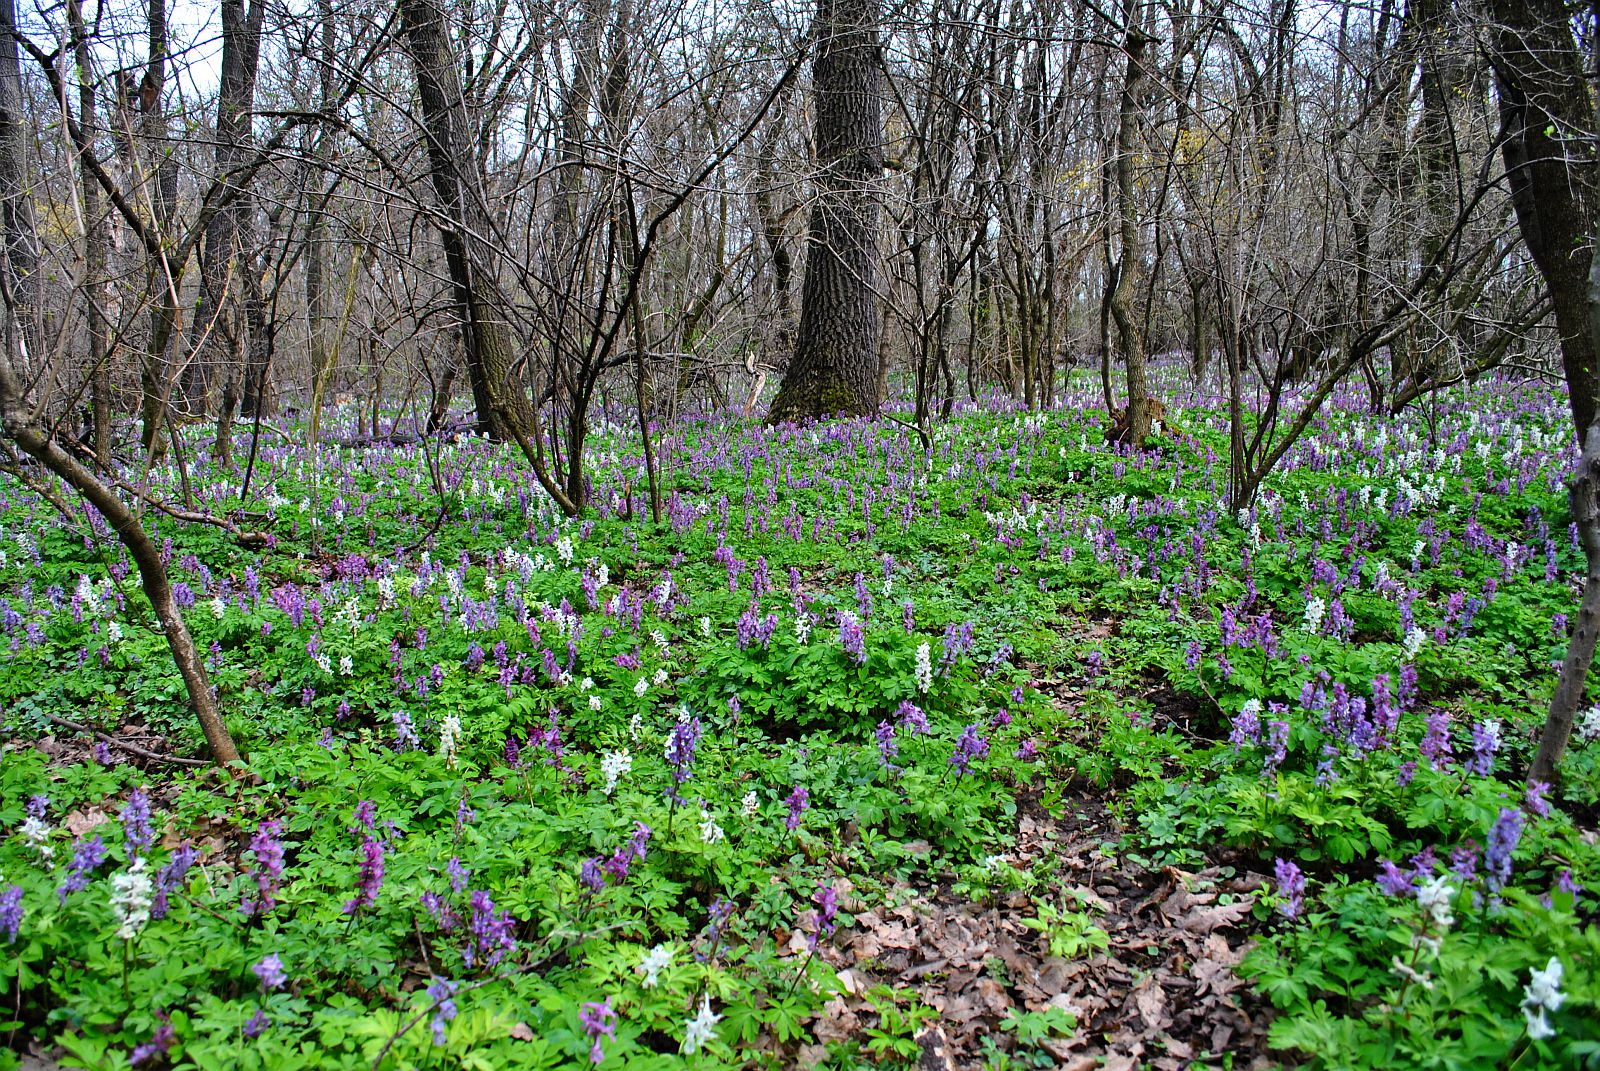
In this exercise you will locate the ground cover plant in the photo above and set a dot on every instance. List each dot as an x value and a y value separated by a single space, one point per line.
1013 750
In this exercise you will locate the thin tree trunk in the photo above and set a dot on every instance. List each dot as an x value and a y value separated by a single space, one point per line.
1584 495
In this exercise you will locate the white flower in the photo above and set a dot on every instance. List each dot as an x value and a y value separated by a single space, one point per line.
114 632
585 684
1414 640
594 702
322 663
1589 725
218 607
659 639
924 670
710 832
36 832
635 725
660 678
702 1028
131 894
642 687
564 550
347 665
750 804
705 627
1315 608
1435 898
802 628
1544 988
655 961
1539 1027
614 764
449 736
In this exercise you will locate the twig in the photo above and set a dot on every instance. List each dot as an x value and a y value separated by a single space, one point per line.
123 744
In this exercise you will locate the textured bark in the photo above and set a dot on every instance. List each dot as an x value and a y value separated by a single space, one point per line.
502 405
20 278
835 363
219 328
1130 274
1546 122
95 245
155 376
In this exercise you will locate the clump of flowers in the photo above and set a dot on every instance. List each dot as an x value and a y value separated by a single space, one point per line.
599 1020
1291 888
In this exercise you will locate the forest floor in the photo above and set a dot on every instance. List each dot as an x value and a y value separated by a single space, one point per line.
1019 752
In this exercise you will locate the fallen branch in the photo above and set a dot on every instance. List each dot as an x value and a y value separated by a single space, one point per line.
143 753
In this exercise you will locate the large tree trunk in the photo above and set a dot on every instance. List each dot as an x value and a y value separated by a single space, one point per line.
1124 297
1548 127
217 334
157 373
502 404
835 363
95 245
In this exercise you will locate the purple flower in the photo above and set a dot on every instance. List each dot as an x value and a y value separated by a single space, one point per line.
599 1020
369 877
86 859
590 875
442 993
887 746
1394 881
38 804
1535 801
366 816
827 900
1503 838
158 1044
1464 861
257 1024
136 824
681 744
911 718
1291 886
1028 750
268 852
970 745
851 637
1277 745
270 971
628 854
1485 742
799 800
1435 745
11 912
491 933
458 874
444 916
1566 883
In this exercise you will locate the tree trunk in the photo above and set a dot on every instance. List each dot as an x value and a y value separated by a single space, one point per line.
95 243
217 334
835 362
1544 104
1584 495
1130 333
502 405
16 422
